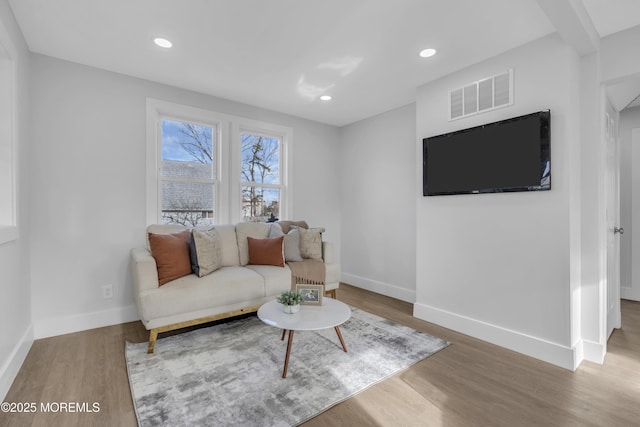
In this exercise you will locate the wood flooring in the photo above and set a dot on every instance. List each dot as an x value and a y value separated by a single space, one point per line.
470 383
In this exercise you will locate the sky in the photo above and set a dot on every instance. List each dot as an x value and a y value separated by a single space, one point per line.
173 150
171 136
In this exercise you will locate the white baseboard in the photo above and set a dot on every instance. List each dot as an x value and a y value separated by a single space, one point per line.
531 346
630 293
379 287
593 351
44 328
10 369
578 354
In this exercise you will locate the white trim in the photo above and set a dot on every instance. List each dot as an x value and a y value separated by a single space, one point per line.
152 163
44 328
11 367
158 110
379 287
526 344
630 293
578 353
593 351
228 183
602 220
8 233
285 135
8 135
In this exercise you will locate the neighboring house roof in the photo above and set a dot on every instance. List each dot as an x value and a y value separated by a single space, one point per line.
181 168
181 196
186 196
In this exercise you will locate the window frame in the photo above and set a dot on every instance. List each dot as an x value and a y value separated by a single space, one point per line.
157 111
214 181
284 135
228 184
8 126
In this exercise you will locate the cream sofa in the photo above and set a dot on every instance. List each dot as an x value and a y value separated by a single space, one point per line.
233 289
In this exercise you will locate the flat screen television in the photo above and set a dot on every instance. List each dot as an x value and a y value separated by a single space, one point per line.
509 155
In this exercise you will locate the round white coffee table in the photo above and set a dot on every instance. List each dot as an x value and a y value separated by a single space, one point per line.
331 314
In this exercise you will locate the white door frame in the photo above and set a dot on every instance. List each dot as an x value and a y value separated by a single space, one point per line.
611 296
632 292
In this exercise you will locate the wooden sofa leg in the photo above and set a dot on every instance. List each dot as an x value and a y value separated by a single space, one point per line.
153 336
332 293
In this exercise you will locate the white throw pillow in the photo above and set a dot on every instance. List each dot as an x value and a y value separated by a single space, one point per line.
310 243
206 252
291 242
229 244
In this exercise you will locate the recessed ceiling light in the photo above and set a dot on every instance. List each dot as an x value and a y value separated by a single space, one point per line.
426 53
325 98
162 42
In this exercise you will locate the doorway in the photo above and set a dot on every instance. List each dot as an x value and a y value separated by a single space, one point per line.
630 203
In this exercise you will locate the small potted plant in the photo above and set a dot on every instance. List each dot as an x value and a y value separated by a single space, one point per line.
290 301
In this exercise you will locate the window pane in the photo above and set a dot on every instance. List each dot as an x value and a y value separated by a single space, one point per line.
188 204
260 159
259 203
188 150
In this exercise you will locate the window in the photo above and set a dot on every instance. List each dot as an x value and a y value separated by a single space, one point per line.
8 224
209 168
260 177
188 172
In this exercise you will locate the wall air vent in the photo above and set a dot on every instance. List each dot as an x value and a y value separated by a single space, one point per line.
482 95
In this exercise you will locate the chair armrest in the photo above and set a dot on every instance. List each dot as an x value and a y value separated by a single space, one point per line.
144 270
327 252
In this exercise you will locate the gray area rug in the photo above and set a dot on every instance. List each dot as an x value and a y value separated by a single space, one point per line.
231 374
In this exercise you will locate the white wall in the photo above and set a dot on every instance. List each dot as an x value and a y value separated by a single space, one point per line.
378 203
630 203
503 267
88 186
16 335
592 318
618 55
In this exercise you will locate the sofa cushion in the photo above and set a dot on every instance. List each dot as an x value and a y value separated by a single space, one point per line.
171 252
291 242
225 286
257 230
269 251
310 243
229 244
276 279
205 251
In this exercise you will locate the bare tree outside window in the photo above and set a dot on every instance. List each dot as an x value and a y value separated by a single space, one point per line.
188 173
260 176
197 142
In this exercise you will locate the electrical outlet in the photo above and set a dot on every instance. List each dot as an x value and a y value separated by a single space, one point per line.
107 291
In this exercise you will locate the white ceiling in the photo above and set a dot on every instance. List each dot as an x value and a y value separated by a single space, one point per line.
283 54
611 16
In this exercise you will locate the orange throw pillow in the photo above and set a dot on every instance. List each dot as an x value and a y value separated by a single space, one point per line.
266 251
171 252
